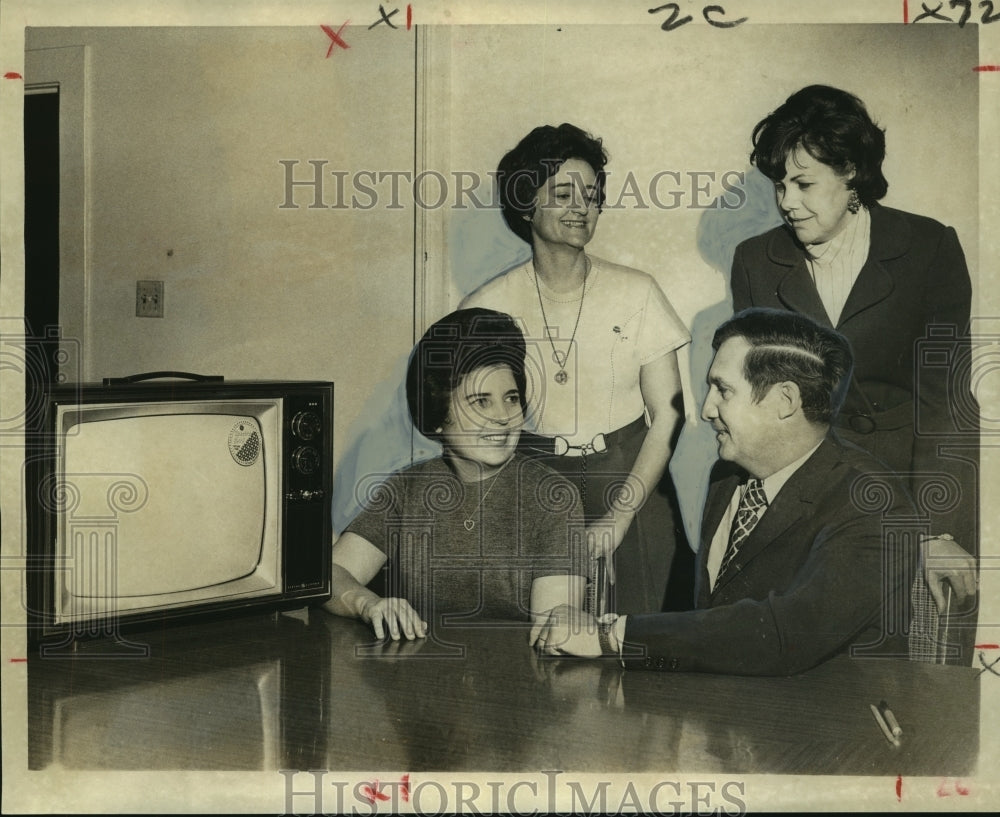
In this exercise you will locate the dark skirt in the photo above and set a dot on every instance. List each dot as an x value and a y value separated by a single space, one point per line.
655 539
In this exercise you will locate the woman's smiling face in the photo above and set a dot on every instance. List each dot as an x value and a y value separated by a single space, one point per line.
813 197
566 208
484 421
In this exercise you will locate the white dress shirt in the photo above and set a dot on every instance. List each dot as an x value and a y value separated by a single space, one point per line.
835 264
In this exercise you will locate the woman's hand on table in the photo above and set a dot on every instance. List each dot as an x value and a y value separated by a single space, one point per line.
549 592
569 631
395 615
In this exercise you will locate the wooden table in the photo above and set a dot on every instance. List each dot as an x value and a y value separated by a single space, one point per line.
312 691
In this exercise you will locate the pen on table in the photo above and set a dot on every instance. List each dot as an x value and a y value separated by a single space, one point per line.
890 719
884 726
943 620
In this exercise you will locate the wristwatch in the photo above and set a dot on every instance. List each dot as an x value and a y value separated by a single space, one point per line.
604 625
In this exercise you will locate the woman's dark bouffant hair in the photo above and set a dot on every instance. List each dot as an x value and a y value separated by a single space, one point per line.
459 343
834 127
538 156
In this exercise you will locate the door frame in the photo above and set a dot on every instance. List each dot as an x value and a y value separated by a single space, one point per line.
66 68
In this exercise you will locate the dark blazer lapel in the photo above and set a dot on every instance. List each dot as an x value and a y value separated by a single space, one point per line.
795 288
795 499
872 285
890 238
783 512
720 492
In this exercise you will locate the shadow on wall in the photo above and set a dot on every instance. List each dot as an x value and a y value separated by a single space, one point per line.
382 441
382 437
482 247
720 231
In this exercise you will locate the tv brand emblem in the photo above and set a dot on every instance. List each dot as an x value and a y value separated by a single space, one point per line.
244 442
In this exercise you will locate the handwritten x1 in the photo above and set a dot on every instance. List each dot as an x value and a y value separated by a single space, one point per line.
374 791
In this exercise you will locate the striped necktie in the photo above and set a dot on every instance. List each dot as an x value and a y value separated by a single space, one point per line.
752 503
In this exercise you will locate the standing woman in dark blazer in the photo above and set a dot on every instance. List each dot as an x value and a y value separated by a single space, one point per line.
886 279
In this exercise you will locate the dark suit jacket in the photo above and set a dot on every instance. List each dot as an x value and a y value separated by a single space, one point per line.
819 572
915 278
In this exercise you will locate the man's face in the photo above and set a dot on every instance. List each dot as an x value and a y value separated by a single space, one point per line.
745 430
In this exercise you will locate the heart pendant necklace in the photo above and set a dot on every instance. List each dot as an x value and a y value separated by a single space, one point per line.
470 521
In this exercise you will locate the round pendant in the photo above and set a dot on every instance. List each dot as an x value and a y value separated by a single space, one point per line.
561 377
559 358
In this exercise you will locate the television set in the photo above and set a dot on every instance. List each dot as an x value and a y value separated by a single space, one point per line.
167 496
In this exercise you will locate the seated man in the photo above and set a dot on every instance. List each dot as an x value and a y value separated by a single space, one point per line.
794 564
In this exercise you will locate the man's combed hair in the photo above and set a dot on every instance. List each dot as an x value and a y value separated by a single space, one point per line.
787 346
459 343
536 157
834 127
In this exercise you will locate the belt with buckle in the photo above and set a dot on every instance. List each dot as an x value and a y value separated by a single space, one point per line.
562 448
600 443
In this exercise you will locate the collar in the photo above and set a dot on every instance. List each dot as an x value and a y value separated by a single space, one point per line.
776 481
890 238
856 231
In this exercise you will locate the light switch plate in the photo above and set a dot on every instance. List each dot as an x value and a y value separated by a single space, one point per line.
149 299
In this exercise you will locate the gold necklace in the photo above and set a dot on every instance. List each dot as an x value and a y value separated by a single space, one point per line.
469 522
561 358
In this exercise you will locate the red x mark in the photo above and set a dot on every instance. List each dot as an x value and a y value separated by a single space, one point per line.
335 38
374 791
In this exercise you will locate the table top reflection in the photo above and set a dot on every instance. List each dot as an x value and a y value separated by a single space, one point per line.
308 690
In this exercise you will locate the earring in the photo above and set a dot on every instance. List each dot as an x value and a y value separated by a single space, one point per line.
853 202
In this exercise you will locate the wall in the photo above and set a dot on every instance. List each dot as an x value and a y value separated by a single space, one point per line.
185 129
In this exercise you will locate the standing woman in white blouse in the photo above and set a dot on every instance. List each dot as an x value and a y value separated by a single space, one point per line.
604 385
893 283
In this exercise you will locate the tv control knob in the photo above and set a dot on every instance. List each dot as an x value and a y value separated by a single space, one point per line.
305 459
306 425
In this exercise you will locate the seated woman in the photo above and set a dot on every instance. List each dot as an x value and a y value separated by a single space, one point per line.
480 532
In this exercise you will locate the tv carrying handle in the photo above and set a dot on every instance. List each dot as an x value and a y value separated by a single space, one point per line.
138 378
